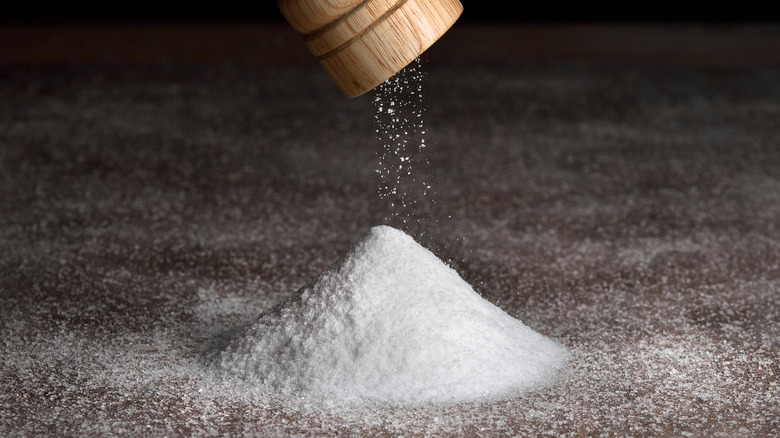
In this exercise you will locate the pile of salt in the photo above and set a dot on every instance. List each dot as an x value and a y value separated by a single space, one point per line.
391 322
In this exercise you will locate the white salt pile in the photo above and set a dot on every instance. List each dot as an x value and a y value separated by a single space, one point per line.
390 322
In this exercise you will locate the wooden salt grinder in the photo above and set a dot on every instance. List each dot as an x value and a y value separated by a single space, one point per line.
362 43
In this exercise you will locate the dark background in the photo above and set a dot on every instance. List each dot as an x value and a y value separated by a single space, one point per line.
265 11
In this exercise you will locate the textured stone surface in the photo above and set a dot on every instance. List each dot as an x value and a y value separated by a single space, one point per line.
630 212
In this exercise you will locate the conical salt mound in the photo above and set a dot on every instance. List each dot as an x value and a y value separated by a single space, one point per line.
391 322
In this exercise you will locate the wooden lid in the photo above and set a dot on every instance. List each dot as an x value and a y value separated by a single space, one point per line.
363 43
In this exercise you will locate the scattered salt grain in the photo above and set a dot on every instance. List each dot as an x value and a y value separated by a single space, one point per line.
390 322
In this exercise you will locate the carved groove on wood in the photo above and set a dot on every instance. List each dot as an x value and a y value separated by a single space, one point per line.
363 43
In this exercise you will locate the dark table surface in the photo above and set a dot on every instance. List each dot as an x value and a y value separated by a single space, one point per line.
616 188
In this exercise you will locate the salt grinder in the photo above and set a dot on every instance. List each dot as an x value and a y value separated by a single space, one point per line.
362 43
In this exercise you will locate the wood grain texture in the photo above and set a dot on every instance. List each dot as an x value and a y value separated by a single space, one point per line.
307 16
348 26
372 41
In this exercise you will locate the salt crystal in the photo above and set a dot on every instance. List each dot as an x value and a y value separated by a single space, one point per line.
390 322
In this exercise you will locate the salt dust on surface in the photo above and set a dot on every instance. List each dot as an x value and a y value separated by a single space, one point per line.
629 213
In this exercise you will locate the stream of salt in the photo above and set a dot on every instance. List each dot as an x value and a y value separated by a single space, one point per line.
405 178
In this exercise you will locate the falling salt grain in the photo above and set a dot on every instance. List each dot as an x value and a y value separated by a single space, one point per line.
390 322
400 105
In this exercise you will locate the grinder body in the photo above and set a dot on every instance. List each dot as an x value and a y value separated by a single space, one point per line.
362 43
